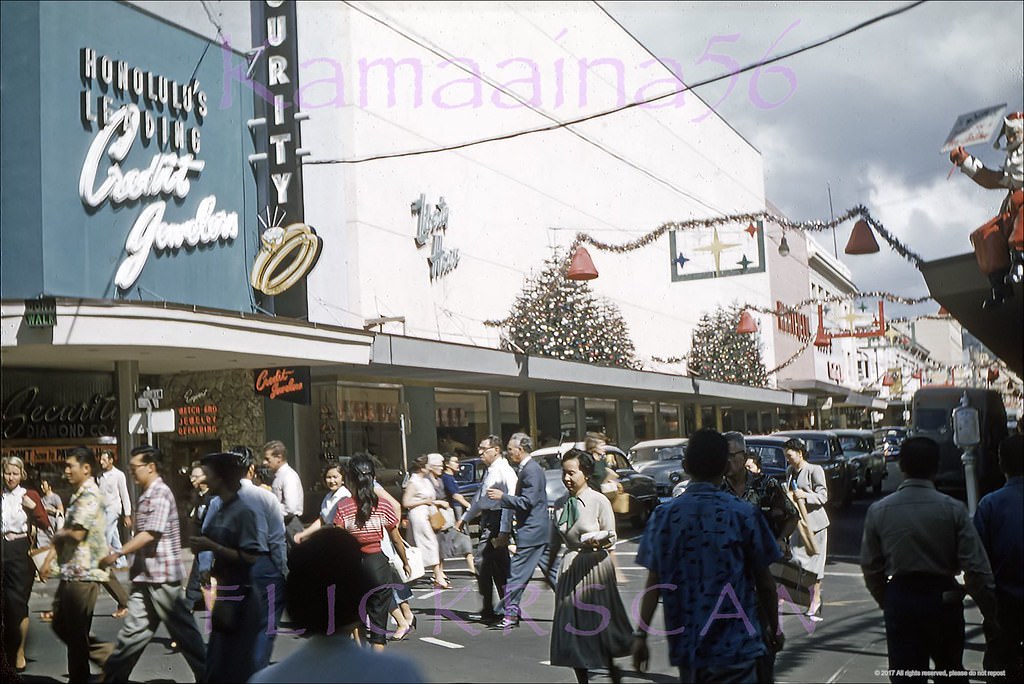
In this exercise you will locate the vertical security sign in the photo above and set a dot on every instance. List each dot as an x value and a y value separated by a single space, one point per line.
289 248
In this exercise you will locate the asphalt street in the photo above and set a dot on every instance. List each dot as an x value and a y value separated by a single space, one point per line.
848 646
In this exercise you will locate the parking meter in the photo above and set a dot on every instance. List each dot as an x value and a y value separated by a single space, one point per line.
966 436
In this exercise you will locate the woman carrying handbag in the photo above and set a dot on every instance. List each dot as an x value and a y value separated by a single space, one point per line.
423 503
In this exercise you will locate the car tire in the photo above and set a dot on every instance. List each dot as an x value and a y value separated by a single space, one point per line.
640 521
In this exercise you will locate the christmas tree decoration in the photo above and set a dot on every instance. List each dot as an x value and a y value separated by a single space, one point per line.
564 319
719 352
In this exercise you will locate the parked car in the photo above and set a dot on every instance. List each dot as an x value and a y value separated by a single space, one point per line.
868 461
470 476
824 449
662 459
889 440
638 487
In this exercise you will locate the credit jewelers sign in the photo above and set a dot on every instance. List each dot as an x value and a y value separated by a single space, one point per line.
132 177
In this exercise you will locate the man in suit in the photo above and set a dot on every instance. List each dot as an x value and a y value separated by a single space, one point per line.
533 527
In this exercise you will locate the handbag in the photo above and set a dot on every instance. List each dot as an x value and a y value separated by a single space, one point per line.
415 559
437 519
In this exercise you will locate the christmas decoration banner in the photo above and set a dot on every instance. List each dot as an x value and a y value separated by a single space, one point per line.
728 250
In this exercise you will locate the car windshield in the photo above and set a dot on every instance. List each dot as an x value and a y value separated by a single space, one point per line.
817 448
771 456
550 461
931 419
854 444
667 453
467 472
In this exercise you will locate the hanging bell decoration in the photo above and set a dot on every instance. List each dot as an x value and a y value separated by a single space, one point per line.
993 374
943 311
822 339
582 266
862 240
918 374
888 380
784 247
747 323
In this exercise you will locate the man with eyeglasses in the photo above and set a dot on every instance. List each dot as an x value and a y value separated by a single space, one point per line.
492 558
156 574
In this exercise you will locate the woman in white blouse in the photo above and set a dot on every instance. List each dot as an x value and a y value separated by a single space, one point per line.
18 509
422 498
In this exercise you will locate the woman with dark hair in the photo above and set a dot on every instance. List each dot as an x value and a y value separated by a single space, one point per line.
591 626
369 518
806 481
236 538
324 592
334 480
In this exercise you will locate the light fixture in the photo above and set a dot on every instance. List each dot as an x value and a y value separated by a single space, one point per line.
582 266
784 247
747 323
862 240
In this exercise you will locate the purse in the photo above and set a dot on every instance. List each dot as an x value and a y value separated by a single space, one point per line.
794 582
415 558
437 520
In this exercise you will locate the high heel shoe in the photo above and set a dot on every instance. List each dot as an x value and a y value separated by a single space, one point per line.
445 585
403 635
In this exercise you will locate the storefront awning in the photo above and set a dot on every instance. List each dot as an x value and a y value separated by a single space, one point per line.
957 284
396 358
166 338
841 396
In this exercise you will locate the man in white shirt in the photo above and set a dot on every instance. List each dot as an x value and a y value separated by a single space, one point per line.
492 559
116 501
287 487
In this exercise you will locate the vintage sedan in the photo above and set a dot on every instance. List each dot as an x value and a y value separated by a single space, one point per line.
662 459
868 462
637 486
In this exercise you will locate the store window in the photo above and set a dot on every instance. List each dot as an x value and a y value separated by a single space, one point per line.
355 418
567 419
643 420
511 414
668 417
461 421
707 417
689 420
601 417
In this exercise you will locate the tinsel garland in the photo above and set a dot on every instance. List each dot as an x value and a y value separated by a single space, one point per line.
859 211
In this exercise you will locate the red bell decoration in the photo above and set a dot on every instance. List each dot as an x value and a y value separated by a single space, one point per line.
888 380
862 240
943 311
747 323
822 339
582 266
918 374
993 374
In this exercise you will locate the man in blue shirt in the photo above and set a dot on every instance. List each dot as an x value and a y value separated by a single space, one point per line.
708 554
1000 524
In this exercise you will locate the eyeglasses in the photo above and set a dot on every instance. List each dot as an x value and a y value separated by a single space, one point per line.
136 466
484 450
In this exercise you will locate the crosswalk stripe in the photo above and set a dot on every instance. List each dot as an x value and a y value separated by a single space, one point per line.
441 642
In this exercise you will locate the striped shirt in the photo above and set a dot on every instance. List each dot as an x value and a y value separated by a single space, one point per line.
158 562
370 534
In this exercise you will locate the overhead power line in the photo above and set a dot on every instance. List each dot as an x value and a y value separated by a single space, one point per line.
631 105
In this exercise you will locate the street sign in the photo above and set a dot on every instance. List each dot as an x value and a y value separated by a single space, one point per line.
974 127
157 394
160 421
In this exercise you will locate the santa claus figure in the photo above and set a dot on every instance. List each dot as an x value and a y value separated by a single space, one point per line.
1008 227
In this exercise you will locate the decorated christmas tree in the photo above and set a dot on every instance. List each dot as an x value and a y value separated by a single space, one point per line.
564 319
718 352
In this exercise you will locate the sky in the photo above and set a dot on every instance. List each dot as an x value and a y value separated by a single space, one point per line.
864 116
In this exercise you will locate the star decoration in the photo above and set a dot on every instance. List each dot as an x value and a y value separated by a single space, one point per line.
681 260
851 320
862 307
716 247
751 230
826 310
744 262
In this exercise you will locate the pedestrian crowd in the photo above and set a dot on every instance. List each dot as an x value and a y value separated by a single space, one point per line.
720 560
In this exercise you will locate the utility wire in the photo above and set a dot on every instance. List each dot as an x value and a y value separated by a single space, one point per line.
590 117
423 43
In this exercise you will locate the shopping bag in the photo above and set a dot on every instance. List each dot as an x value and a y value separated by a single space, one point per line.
794 581
802 527
415 558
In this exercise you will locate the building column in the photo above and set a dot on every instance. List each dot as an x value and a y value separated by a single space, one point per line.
718 418
698 416
126 377
627 426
